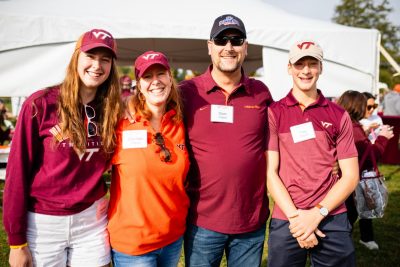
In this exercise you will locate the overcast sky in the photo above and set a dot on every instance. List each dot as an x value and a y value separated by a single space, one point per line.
325 9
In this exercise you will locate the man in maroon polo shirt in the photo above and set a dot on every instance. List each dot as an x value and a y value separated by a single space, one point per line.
307 136
226 120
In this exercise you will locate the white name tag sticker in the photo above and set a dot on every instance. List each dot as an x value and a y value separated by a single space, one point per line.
302 132
220 113
134 139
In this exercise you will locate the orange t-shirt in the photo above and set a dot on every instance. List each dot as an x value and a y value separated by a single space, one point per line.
148 201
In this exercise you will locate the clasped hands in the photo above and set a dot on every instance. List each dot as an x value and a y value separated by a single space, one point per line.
303 226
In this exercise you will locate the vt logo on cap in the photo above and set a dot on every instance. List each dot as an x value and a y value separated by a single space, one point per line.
101 35
150 56
307 48
98 38
306 44
147 59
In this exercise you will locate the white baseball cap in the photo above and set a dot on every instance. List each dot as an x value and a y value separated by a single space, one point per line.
305 48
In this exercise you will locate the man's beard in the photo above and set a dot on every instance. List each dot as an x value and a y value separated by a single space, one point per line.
229 69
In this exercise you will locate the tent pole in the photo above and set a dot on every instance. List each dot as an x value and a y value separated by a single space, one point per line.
389 58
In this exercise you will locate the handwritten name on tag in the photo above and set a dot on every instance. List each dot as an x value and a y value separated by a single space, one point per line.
220 113
302 132
134 139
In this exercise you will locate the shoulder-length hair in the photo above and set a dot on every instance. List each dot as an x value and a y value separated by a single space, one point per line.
108 106
137 103
354 103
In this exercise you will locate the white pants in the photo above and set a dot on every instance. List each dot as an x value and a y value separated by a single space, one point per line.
73 240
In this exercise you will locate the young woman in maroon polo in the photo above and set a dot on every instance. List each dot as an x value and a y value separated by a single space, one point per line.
63 141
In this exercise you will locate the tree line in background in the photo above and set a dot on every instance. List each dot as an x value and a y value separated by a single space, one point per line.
373 14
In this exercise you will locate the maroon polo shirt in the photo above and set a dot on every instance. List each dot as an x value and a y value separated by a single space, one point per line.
306 167
44 172
227 178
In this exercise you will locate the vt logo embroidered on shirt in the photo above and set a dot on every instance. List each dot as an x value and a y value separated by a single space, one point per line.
326 124
88 152
181 146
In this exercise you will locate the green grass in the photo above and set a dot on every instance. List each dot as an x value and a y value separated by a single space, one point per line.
386 231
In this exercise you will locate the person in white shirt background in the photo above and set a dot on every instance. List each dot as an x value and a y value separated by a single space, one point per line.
372 121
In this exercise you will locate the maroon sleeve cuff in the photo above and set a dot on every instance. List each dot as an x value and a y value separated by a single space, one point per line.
17 239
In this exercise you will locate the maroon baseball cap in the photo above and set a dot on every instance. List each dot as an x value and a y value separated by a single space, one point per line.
98 38
147 59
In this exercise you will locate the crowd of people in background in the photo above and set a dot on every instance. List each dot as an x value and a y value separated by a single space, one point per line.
191 163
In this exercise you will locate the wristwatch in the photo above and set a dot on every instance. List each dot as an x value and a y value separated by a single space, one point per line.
322 210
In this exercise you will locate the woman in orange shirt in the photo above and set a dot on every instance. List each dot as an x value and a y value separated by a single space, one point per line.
148 202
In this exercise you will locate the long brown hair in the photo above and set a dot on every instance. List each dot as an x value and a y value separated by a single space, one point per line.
70 106
137 103
354 103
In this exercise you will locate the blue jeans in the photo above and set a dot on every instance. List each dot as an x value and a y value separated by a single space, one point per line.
206 248
167 256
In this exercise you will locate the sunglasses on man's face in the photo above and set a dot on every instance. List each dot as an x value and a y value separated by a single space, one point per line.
223 40
370 107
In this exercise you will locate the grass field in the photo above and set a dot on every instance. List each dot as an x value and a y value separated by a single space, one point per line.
387 231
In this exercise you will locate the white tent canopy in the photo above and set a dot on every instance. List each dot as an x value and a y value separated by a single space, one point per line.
37 40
